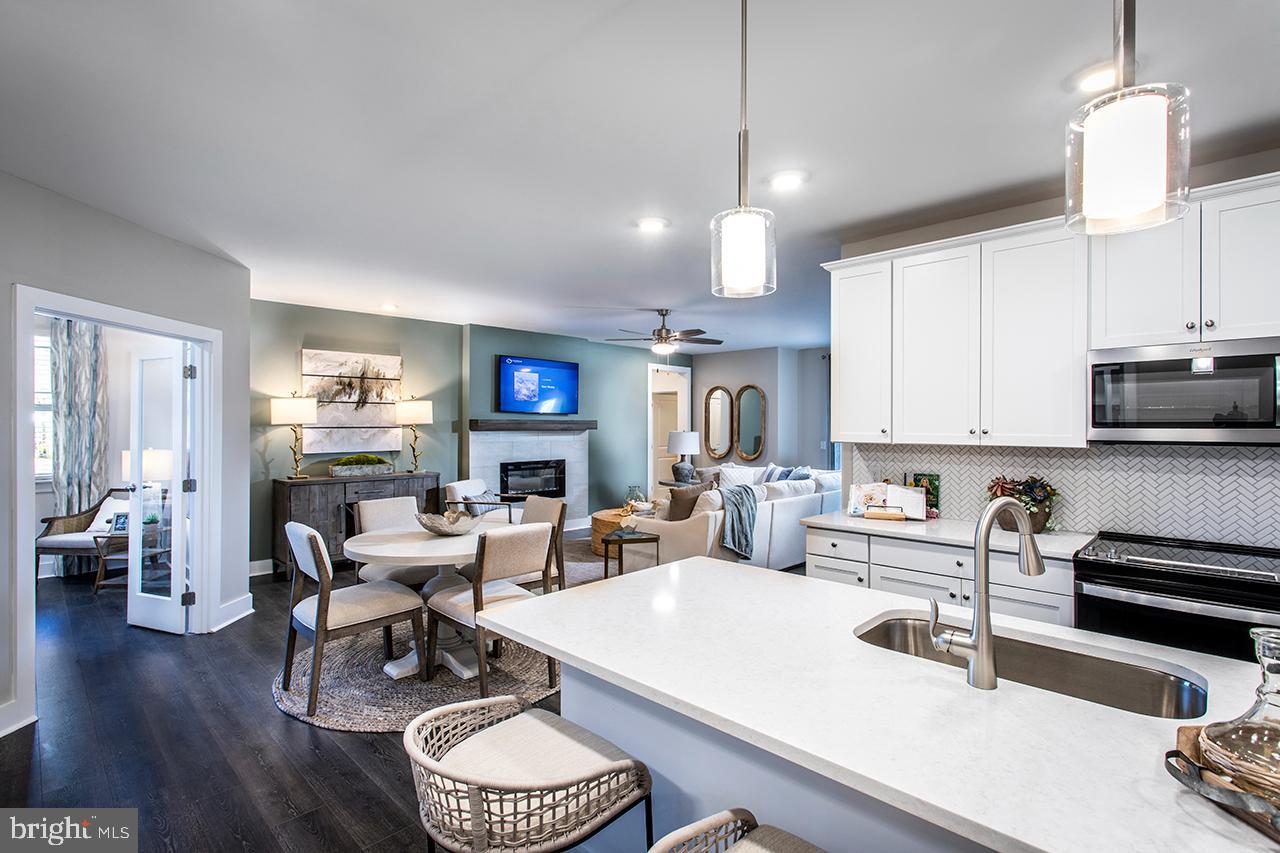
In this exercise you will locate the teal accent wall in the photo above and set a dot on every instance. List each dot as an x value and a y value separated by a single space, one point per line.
278 332
613 384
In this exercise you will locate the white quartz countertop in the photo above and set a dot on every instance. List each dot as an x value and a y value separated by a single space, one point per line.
1016 768
1058 544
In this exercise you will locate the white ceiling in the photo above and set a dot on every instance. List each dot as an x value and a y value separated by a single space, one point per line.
483 161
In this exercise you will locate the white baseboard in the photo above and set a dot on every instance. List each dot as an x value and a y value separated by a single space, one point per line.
14 716
261 567
577 523
232 611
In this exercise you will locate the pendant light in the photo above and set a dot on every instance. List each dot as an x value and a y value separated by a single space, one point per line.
1129 150
742 249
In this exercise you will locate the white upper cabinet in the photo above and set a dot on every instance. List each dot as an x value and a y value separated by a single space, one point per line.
861 378
1034 339
1145 286
1241 266
936 343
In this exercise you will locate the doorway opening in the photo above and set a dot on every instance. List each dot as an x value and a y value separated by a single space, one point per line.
669 391
116 469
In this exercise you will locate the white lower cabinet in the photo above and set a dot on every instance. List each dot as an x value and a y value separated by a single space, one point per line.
920 584
1026 603
840 571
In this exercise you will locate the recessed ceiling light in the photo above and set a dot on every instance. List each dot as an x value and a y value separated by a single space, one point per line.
791 179
390 306
652 224
1097 79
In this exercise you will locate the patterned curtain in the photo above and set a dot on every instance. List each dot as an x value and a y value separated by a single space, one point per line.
78 361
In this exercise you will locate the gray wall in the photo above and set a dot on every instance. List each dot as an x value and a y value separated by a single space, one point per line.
813 431
53 243
432 354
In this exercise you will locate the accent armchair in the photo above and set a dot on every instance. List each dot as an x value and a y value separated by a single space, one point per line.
69 535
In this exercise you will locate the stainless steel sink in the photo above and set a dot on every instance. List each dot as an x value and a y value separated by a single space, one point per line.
1126 686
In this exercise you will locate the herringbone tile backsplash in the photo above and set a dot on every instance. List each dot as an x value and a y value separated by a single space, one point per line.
1217 494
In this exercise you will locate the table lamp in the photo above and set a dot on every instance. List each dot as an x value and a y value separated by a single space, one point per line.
411 413
157 465
683 444
294 412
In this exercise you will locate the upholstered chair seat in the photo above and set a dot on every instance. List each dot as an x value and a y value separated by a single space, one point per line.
458 602
360 603
735 831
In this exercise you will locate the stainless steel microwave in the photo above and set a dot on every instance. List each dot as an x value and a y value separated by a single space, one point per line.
1218 392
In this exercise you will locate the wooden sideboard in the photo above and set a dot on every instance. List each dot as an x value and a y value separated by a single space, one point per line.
328 505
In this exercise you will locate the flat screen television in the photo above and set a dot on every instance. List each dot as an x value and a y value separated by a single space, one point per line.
537 386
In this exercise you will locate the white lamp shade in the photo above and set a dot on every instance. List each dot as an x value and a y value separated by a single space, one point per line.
683 443
743 262
293 410
157 465
413 412
1128 160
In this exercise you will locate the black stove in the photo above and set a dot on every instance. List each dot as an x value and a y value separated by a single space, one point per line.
1194 595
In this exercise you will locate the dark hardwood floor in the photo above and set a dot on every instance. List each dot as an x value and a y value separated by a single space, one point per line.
184 729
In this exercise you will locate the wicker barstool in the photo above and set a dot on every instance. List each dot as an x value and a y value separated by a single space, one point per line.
735 829
496 774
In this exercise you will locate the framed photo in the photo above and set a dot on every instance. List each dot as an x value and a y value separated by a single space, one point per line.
120 522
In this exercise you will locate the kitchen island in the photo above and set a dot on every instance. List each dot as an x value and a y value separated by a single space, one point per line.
691 667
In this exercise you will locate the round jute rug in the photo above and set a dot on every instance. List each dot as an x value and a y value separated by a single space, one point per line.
355 695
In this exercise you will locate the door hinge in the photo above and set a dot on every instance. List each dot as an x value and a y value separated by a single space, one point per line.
188 598
189 371
188 485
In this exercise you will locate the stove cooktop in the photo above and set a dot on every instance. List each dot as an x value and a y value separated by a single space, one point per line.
1183 555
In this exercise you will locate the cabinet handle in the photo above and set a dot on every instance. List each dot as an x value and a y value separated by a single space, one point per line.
952 594
965 596
835 545
973 432
884 430
986 432
1191 324
859 578
1208 324
960 564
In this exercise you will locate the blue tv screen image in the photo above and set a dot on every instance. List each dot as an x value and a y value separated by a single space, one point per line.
537 386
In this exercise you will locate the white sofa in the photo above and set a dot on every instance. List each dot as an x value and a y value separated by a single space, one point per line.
779 536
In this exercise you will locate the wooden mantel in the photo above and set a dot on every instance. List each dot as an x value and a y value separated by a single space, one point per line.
531 425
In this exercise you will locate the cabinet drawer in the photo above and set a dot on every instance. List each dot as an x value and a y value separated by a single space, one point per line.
1028 603
841 571
918 584
1058 577
923 557
837 544
369 491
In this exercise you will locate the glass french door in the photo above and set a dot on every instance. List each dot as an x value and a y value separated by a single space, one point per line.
159 530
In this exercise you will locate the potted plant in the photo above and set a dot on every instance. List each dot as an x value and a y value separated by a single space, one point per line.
1034 493
360 465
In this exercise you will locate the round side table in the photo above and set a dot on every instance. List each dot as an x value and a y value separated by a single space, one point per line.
603 522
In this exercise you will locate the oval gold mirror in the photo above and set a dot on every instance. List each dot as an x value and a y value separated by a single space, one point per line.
749 423
717 422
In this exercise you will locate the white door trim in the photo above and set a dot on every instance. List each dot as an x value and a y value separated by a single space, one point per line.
21 638
683 403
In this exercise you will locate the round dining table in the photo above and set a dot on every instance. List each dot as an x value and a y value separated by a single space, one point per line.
417 547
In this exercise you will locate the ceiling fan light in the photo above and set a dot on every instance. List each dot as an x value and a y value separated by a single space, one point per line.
1129 160
743 254
663 348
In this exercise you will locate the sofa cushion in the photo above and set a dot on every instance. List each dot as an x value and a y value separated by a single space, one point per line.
709 501
740 475
787 489
683 500
828 482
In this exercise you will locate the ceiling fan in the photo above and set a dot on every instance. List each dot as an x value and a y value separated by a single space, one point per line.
666 341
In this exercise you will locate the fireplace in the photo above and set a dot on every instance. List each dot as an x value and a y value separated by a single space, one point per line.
543 477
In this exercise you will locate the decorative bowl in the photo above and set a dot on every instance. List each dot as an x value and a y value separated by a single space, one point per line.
453 523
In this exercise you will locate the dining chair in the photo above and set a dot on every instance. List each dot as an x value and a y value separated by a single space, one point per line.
391 514
331 613
732 829
499 775
553 511
502 554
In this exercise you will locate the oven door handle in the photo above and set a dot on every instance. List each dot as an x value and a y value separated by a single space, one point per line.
1182 605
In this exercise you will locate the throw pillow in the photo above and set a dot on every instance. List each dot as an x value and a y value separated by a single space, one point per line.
102 521
661 508
710 474
802 472
828 482
683 499
787 489
479 504
709 501
738 475
775 473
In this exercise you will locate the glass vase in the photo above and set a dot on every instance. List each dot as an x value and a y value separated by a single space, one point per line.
1248 747
635 494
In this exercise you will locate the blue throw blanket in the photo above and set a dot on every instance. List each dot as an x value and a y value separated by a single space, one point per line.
739 520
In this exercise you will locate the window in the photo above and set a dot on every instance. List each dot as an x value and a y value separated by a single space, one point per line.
43 414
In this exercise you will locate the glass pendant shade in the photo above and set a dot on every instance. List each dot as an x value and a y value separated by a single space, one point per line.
662 348
743 262
1129 160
